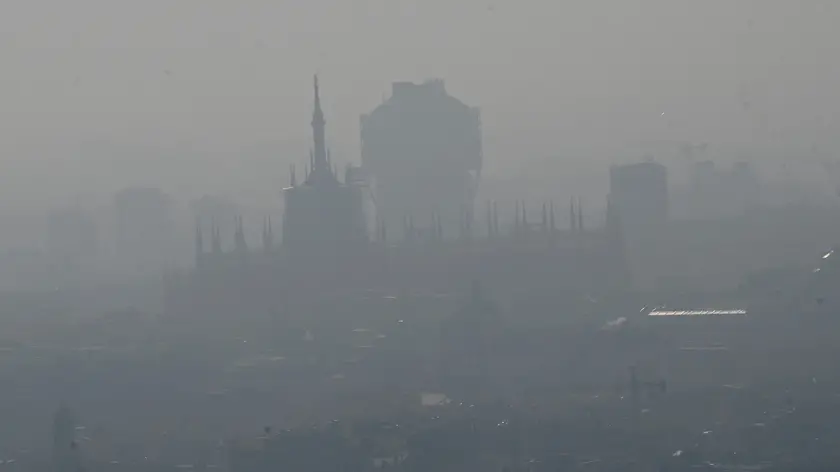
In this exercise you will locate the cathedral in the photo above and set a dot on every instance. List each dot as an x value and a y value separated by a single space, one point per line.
327 248
323 216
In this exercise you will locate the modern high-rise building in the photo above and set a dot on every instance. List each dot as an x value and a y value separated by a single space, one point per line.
715 192
422 148
639 193
145 229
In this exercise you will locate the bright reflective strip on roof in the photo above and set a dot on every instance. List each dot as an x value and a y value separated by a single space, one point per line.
697 312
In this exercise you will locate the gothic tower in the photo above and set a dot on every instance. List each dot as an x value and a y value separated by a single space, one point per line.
323 217
321 172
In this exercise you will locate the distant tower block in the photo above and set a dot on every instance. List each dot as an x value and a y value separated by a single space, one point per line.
639 194
423 149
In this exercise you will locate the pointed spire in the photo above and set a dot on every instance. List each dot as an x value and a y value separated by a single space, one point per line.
495 219
268 235
489 220
239 237
580 215
551 216
320 159
317 112
216 238
572 217
524 218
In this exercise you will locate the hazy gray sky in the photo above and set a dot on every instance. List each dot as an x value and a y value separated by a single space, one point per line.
206 95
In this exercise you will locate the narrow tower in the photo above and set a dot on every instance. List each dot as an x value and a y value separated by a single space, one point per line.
216 239
268 235
495 219
239 237
199 245
580 215
524 218
321 171
323 218
551 216
489 220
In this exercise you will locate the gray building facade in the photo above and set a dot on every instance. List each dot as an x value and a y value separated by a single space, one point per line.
423 149
639 194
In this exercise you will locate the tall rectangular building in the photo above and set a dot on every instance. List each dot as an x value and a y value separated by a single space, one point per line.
423 149
639 193
145 231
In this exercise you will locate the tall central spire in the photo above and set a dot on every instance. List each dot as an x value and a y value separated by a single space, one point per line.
320 163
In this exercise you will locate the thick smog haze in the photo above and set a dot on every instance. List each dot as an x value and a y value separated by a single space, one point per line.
213 96
419 235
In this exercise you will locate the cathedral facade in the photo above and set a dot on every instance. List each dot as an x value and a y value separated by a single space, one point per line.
323 216
326 250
